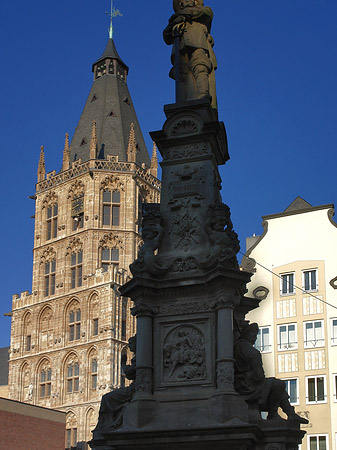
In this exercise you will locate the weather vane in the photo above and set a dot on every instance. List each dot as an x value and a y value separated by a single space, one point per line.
113 13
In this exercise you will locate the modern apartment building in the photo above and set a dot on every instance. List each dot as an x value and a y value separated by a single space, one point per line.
295 276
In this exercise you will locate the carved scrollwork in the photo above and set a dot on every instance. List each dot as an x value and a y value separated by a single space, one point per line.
75 245
50 199
112 182
225 375
248 264
76 190
48 255
186 151
110 240
144 380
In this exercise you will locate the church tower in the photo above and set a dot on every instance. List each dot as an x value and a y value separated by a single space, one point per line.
68 334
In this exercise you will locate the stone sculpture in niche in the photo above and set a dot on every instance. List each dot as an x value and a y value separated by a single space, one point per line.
261 393
184 354
223 239
193 57
113 403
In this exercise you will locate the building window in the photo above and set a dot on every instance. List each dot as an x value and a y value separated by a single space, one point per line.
287 336
76 269
333 331
71 438
73 380
316 389
313 334
28 343
310 282
78 222
292 389
110 256
95 327
74 325
262 342
94 373
111 204
45 383
52 212
335 387
49 278
287 283
124 315
318 442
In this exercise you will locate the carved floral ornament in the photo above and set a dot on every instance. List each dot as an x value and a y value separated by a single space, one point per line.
76 190
75 245
184 124
48 255
44 365
110 240
50 199
71 420
112 182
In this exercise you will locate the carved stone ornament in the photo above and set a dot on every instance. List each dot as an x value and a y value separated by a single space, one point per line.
248 264
185 231
146 193
76 190
225 375
144 380
112 182
75 245
260 293
184 354
50 199
333 283
185 264
110 240
48 255
186 151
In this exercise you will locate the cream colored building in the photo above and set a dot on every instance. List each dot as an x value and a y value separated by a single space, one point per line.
68 334
297 317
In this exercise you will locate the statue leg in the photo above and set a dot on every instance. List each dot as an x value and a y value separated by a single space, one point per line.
201 67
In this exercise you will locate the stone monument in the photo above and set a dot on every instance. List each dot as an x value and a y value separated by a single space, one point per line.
189 292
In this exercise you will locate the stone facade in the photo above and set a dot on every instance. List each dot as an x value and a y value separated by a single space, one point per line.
68 334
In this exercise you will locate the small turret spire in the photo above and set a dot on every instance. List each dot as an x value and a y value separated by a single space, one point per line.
66 154
41 171
93 141
132 147
154 161
113 13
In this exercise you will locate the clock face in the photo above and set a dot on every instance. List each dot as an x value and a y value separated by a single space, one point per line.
77 206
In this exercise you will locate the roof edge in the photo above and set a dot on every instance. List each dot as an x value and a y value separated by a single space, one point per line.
301 211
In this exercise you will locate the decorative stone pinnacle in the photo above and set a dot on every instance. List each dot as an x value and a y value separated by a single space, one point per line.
41 171
93 141
66 154
132 147
154 161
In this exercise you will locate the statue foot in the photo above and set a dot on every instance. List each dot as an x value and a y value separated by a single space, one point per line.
296 418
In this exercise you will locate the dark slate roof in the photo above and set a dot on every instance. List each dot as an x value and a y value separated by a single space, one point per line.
4 356
110 105
110 52
297 205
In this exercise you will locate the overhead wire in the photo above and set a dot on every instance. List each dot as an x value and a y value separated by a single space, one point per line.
297 287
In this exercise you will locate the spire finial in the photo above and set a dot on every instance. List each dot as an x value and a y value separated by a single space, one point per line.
41 171
93 141
66 154
132 147
154 161
113 13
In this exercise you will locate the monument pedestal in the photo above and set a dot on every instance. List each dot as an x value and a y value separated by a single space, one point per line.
188 294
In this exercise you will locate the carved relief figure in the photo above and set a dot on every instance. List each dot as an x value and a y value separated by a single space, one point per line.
223 239
261 393
184 355
113 403
191 25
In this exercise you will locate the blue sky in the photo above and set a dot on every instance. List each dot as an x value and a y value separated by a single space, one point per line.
276 81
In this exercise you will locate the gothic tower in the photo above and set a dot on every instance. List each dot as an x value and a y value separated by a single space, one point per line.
68 334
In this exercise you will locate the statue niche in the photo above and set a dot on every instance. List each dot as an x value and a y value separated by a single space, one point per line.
192 57
261 393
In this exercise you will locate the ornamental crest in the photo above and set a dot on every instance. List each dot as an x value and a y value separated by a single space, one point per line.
112 182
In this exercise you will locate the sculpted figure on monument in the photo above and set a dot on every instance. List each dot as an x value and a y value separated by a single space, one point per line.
261 393
191 26
224 241
113 403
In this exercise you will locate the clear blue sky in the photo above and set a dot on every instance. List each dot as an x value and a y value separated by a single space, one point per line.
277 95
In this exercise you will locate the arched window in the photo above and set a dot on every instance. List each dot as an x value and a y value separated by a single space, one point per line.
90 423
73 377
46 328
45 382
111 205
52 212
110 256
74 324
93 374
27 332
76 269
71 431
26 383
94 315
49 277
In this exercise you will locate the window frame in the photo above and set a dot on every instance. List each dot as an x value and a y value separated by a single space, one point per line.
288 347
51 221
49 277
106 263
93 373
73 379
113 205
288 292
333 335
304 271
318 436
71 438
334 375
286 380
95 323
45 384
315 402
76 269
74 326
306 342
263 346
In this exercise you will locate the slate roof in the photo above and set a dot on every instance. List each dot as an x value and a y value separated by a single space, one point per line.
297 205
109 104
4 356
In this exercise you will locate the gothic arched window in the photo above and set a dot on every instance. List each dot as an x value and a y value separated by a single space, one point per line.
46 328
111 206
45 382
73 377
71 431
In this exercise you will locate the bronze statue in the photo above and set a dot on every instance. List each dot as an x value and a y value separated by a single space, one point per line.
261 393
193 57
113 403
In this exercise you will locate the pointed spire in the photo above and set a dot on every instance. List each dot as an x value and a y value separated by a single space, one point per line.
41 171
132 147
66 154
154 161
93 141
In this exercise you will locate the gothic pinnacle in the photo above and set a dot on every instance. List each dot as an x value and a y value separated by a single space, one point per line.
41 171
66 154
93 141
132 147
154 161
